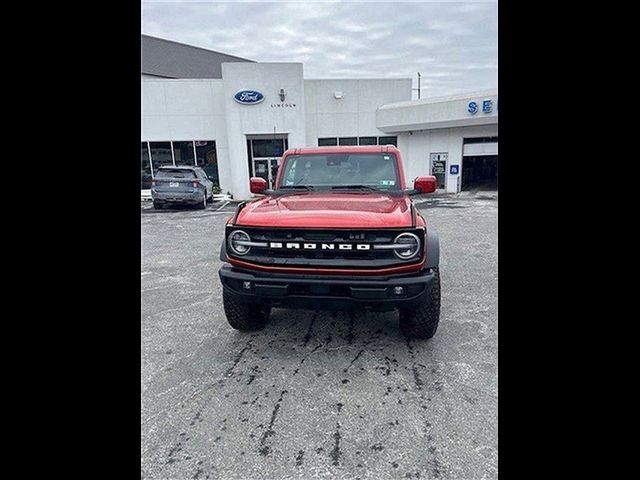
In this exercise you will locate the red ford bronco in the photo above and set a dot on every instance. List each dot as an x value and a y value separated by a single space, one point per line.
338 231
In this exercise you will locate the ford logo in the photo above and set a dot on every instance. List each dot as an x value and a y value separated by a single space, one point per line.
248 97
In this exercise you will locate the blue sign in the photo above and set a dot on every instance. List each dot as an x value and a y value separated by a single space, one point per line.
454 169
248 97
487 106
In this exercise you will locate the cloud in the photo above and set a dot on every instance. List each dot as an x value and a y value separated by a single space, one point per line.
453 44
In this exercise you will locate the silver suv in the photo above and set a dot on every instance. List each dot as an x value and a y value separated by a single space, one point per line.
181 184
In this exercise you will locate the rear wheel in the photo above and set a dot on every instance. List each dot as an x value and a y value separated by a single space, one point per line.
203 203
421 321
244 316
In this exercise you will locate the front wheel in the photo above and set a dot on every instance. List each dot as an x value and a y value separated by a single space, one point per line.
421 320
244 316
157 206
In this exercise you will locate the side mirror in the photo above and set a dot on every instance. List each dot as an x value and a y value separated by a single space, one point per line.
257 185
426 184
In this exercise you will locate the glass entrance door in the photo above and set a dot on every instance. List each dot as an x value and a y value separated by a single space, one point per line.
266 168
265 156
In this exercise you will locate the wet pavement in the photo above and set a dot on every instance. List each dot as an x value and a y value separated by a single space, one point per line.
317 394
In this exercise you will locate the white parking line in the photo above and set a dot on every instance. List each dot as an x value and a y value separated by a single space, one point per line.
224 205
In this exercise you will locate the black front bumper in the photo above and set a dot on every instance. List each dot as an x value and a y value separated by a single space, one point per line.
327 292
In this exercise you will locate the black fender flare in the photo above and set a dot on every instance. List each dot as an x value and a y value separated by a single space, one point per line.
433 250
223 252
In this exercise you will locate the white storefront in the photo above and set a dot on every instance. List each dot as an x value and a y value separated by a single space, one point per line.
199 120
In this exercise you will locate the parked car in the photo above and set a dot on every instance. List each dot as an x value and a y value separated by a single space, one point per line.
145 180
181 185
339 231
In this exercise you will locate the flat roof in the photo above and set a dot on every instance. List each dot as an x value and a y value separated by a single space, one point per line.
442 99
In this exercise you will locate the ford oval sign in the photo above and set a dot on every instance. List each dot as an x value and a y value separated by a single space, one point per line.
248 97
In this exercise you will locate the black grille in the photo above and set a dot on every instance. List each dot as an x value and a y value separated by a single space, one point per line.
325 258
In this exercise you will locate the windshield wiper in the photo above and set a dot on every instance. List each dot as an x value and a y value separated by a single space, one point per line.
353 187
304 187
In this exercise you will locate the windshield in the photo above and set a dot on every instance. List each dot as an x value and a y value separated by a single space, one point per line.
175 173
335 170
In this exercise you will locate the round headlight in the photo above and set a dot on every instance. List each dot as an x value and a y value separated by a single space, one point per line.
237 240
412 244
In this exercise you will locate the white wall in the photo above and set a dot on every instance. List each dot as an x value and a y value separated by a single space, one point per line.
182 109
480 149
189 109
354 115
204 109
416 147
261 118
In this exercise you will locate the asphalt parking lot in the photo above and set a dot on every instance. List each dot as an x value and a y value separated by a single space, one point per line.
317 394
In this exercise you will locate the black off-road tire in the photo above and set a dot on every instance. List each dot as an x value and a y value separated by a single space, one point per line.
244 316
203 204
157 206
421 321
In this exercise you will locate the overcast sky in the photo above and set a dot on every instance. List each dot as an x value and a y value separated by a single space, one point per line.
452 44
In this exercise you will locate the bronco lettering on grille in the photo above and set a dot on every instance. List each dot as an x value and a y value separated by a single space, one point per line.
323 246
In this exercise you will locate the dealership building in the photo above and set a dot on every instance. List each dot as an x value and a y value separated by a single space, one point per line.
235 117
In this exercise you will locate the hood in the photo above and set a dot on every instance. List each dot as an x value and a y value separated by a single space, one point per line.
328 210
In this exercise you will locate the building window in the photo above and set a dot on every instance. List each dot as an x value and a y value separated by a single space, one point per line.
207 158
268 148
160 154
388 141
183 153
327 142
145 167
348 141
468 141
368 141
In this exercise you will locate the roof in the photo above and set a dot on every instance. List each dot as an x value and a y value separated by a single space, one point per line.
437 112
181 167
169 59
342 149
443 99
